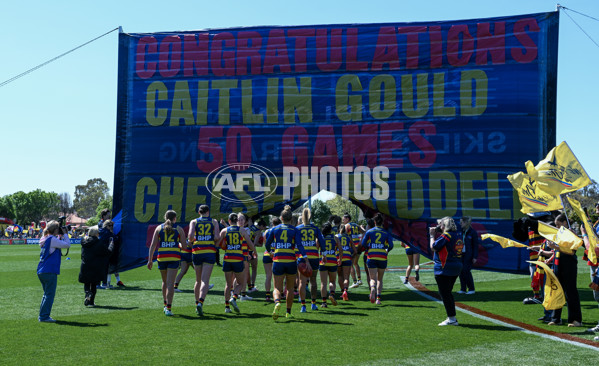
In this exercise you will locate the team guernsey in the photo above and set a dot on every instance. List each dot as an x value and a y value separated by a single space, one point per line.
168 245
309 234
234 243
328 251
345 241
377 243
204 237
354 232
283 240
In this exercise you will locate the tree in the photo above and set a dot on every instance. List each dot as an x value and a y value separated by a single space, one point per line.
65 205
588 197
339 206
89 196
320 212
33 206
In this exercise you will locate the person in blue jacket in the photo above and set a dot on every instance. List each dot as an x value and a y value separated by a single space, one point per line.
48 267
447 246
469 255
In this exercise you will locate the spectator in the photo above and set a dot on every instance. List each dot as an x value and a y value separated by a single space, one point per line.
469 256
94 263
106 215
48 267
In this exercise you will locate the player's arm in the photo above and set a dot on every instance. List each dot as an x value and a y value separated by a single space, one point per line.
182 238
246 236
221 240
300 247
269 239
153 247
340 249
192 230
216 231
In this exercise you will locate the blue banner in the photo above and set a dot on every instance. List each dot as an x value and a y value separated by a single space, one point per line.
414 120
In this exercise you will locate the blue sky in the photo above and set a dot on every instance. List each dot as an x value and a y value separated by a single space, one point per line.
58 123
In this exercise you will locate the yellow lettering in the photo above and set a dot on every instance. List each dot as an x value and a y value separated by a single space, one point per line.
389 96
469 194
224 87
247 109
468 107
174 200
495 211
443 193
297 99
144 211
439 108
344 101
409 192
202 111
407 87
181 107
156 91
193 200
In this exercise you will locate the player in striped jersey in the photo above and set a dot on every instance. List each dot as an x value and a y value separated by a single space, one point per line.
267 262
204 233
355 231
328 264
168 239
282 241
346 260
378 243
311 240
231 240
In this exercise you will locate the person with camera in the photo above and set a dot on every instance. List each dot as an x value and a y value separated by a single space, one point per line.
94 263
447 246
53 240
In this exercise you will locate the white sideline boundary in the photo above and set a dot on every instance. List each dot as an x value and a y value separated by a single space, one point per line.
499 322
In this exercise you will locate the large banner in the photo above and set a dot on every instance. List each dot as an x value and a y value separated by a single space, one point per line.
414 120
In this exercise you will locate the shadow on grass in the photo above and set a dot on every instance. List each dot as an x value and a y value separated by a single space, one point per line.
314 321
487 327
81 324
494 296
205 317
111 307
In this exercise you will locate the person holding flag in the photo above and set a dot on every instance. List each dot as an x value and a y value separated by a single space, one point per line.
565 269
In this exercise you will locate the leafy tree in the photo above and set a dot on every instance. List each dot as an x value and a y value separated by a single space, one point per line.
320 212
588 197
65 204
106 203
89 196
33 206
339 206
5 208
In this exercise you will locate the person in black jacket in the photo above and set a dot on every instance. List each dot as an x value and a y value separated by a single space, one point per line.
94 263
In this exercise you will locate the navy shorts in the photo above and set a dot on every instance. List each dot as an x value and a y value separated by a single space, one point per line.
163 266
266 259
410 251
279 269
236 267
324 268
186 257
346 263
373 263
208 258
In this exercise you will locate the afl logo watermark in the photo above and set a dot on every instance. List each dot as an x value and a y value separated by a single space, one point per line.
240 183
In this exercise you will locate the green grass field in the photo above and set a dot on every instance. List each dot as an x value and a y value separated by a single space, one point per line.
128 326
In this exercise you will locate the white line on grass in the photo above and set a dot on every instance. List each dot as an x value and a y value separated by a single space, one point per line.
499 322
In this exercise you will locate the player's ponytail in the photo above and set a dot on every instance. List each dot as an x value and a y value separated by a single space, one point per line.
169 217
306 216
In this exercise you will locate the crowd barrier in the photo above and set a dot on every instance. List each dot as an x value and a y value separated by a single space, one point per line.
30 241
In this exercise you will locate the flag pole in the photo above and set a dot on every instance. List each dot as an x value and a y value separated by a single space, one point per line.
565 211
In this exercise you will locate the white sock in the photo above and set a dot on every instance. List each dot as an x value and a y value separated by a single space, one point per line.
452 318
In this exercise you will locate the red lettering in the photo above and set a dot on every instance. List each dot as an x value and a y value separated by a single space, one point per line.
436 41
324 49
417 132
276 52
487 43
239 145
210 148
388 145
325 148
248 51
300 36
453 45
222 62
360 146
412 44
351 52
146 45
529 51
169 59
195 54
292 152
385 51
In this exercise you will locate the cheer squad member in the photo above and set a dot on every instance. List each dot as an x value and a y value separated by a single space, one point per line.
48 267
447 246
329 263
232 239
413 263
204 233
311 240
346 260
267 262
282 241
169 240
355 231
378 244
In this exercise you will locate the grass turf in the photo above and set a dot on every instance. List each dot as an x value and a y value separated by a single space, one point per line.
128 326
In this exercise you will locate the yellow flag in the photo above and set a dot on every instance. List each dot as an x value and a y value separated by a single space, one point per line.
593 240
532 198
560 172
504 242
568 241
554 293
